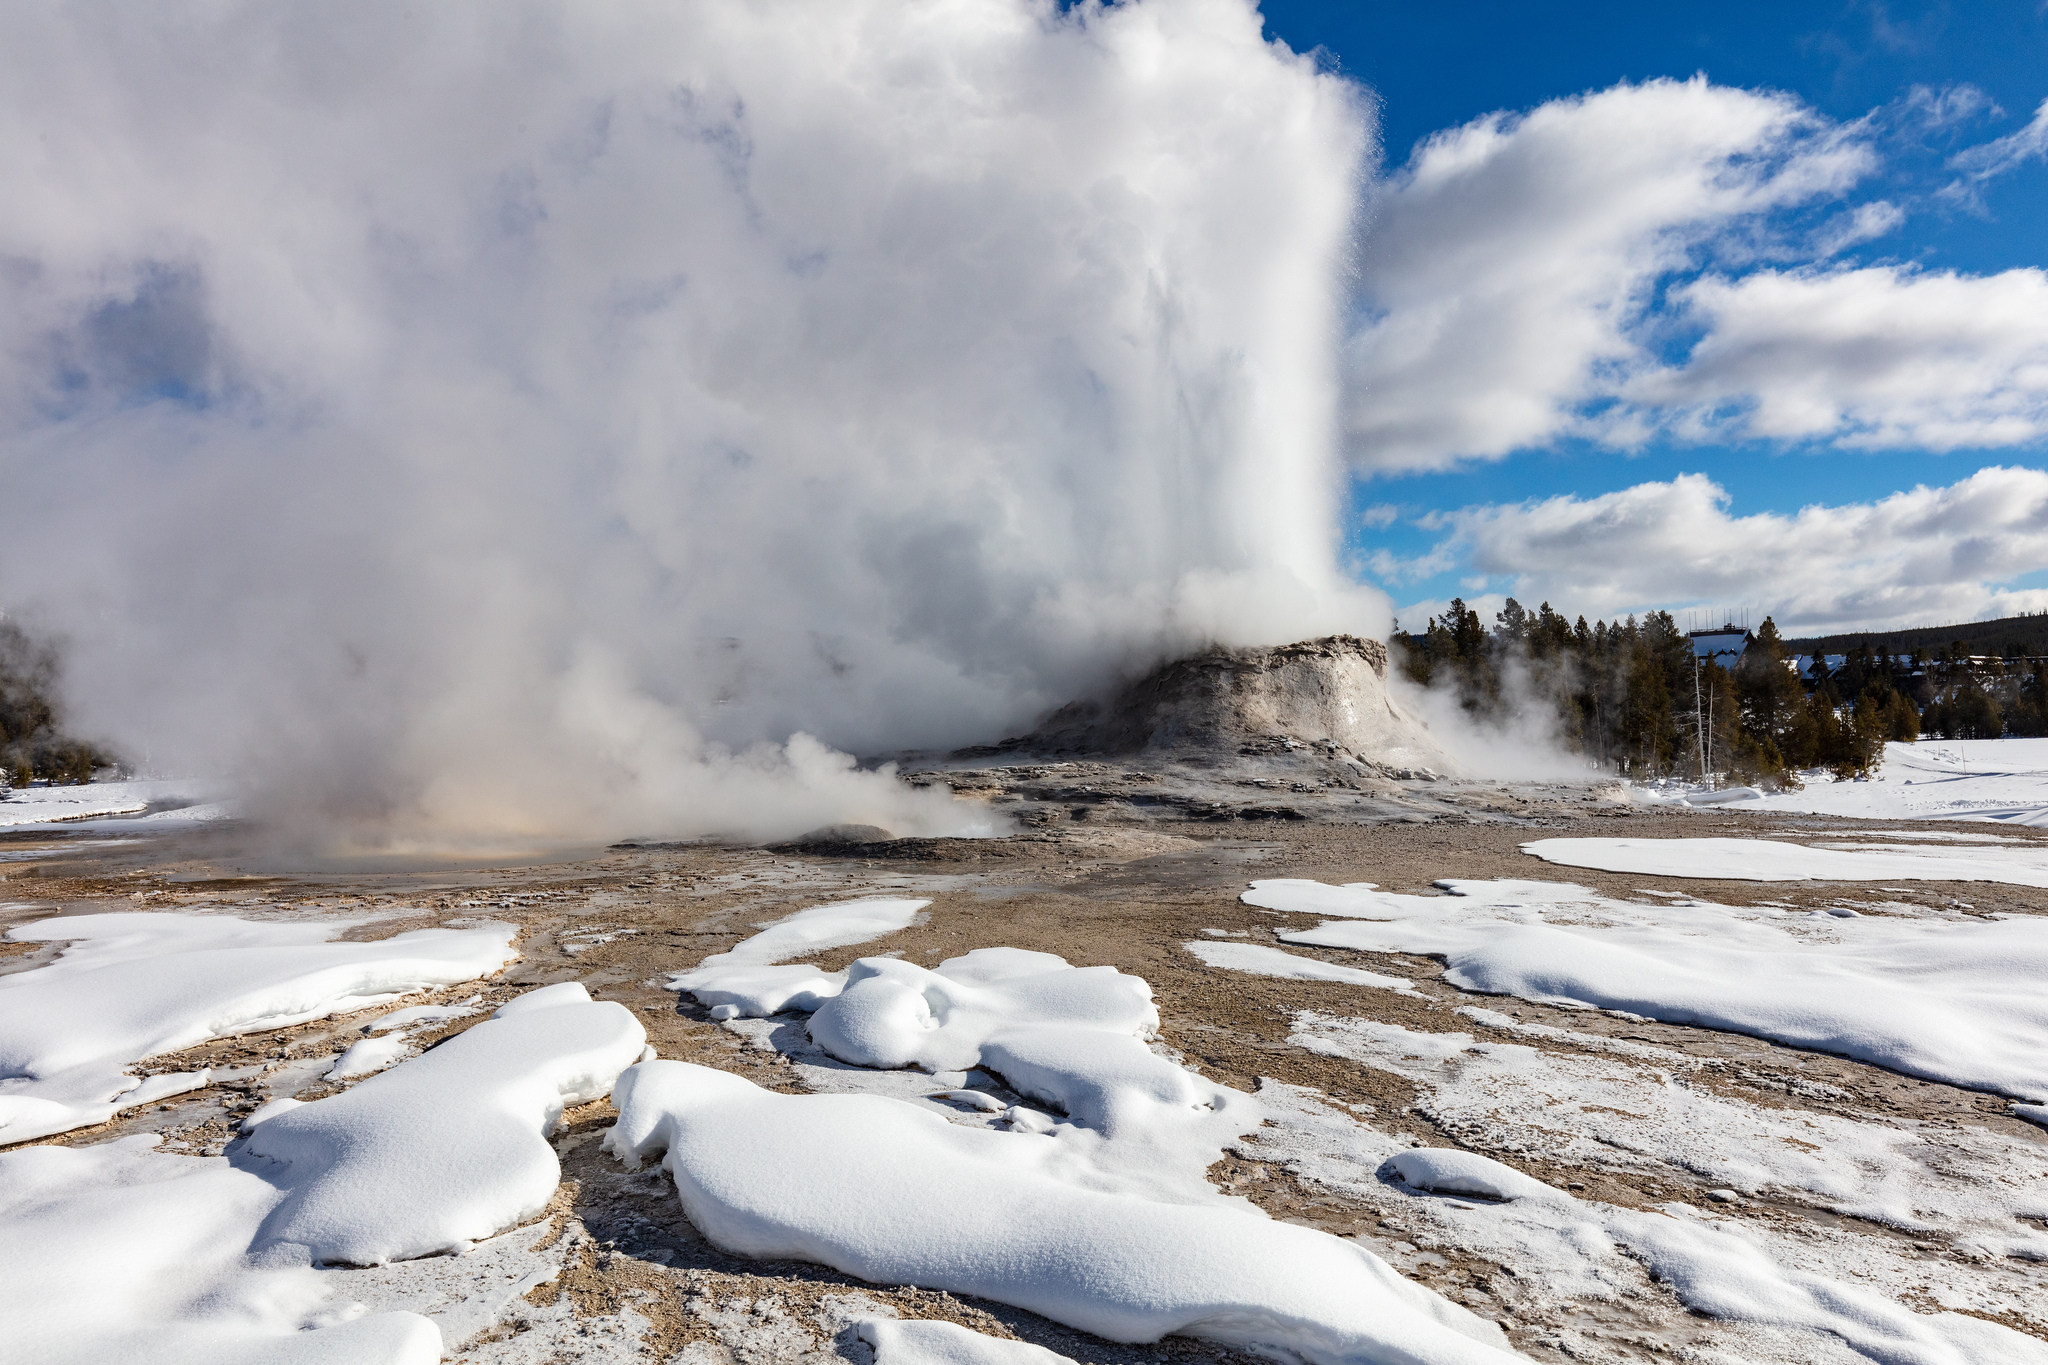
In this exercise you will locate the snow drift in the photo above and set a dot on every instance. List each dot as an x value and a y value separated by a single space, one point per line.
893 1194
1942 995
131 986
117 1252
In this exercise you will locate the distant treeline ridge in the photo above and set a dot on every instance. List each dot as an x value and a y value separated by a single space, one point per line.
1634 696
33 743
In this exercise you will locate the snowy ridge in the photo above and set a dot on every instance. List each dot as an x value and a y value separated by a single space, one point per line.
879 1189
131 986
117 1252
1952 999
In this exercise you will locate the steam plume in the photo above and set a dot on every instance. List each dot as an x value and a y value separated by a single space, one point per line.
510 418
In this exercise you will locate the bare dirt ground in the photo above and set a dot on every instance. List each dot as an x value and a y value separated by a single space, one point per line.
1098 879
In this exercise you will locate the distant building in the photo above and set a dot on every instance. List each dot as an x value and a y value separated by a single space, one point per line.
1804 663
1723 646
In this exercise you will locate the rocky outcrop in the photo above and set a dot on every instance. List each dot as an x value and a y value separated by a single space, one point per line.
1326 696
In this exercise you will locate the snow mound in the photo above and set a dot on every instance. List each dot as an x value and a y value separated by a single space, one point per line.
876 1188
948 1343
1260 960
1947 997
1073 1038
131 986
743 982
450 1147
118 1252
1774 860
1445 1170
371 1054
895 1014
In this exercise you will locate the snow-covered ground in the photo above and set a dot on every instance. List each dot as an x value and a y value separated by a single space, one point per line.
118 1252
1009 1126
1863 856
1103 1221
1993 779
873 1186
1938 993
119 806
131 986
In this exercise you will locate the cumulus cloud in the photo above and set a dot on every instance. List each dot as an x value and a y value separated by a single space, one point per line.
511 416
1512 261
1924 555
1608 267
1880 357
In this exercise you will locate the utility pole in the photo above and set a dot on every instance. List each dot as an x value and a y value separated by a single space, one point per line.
1708 742
1699 721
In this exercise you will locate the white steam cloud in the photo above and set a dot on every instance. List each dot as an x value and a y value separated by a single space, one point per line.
523 418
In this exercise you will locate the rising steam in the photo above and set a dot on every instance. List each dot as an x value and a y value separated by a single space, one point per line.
504 418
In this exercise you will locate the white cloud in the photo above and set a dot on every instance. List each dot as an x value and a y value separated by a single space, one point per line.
2007 153
1948 105
1864 223
1536 278
1380 514
1510 264
1926 555
1880 357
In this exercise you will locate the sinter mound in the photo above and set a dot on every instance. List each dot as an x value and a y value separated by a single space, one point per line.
1328 696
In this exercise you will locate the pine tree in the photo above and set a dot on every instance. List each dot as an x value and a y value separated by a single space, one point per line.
1774 714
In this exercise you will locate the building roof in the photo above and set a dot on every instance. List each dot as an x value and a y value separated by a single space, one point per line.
1713 644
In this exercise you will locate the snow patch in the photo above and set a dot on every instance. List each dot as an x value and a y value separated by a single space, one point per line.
1791 1283
450 1147
1775 860
118 1252
131 986
744 982
1946 997
1654 1112
28 806
948 1343
2002 780
1263 961
897 1195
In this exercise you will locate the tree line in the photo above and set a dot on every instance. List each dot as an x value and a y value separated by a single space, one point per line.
1633 696
33 741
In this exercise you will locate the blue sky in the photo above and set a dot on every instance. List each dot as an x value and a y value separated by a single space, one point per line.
1983 71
